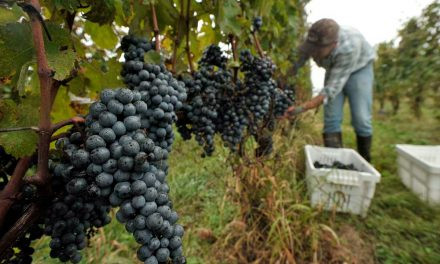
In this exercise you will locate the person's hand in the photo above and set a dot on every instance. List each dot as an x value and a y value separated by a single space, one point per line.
292 111
295 110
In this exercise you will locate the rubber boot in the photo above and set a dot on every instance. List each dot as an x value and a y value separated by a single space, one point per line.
333 140
364 147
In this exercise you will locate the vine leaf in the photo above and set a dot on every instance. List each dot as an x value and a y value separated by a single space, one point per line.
97 75
17 49
101 12
227 18
103 36
153 57
8 15
20 143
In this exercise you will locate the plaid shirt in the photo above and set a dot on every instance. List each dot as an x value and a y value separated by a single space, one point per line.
351 54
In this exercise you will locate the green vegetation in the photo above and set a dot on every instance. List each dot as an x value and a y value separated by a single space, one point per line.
399 227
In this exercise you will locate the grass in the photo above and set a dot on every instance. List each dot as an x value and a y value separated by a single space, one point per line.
398 229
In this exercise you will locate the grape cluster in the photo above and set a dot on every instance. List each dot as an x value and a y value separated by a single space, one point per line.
158 89
145 207
21 251
335 165
213 56
114 163
218 104
257 23
260 87
79 205
233 121
283 99
120 160
203 106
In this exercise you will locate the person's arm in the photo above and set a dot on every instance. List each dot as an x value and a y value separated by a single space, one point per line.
312 103
338 76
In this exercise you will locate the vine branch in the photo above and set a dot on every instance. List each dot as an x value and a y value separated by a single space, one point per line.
42 177
11 190
74 120
45 76
257 44
233 42
12 129
56 84
188 51
19 228
177 39
155 27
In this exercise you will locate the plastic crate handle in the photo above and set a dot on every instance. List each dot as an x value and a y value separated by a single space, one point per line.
344 179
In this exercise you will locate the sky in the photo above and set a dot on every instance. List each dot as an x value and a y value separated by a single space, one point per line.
377 20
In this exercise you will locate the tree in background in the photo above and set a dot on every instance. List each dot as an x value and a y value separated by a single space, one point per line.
412 67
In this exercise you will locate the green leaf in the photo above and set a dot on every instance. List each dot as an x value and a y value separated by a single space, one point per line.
103 36
69 5
21 143
61 109
167 14
60 54
124 12
153 57
17 49
8 15
101 11
227 17
98 75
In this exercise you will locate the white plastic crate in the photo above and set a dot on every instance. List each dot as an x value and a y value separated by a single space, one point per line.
419 169
336 189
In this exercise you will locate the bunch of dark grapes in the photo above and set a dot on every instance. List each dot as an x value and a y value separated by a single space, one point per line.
145 206
335 165
119 159
21 251
80 202
257 23
201 110
213 56
260 87
114 162
134 49
233 121
218 104
283 99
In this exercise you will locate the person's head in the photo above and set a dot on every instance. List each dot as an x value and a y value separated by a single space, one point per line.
322 39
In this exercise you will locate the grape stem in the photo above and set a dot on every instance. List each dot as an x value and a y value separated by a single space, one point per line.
19 228
177 37
187 49
56 84
58 136
233 42
257 44
72 121
155 27
13 129
11 190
